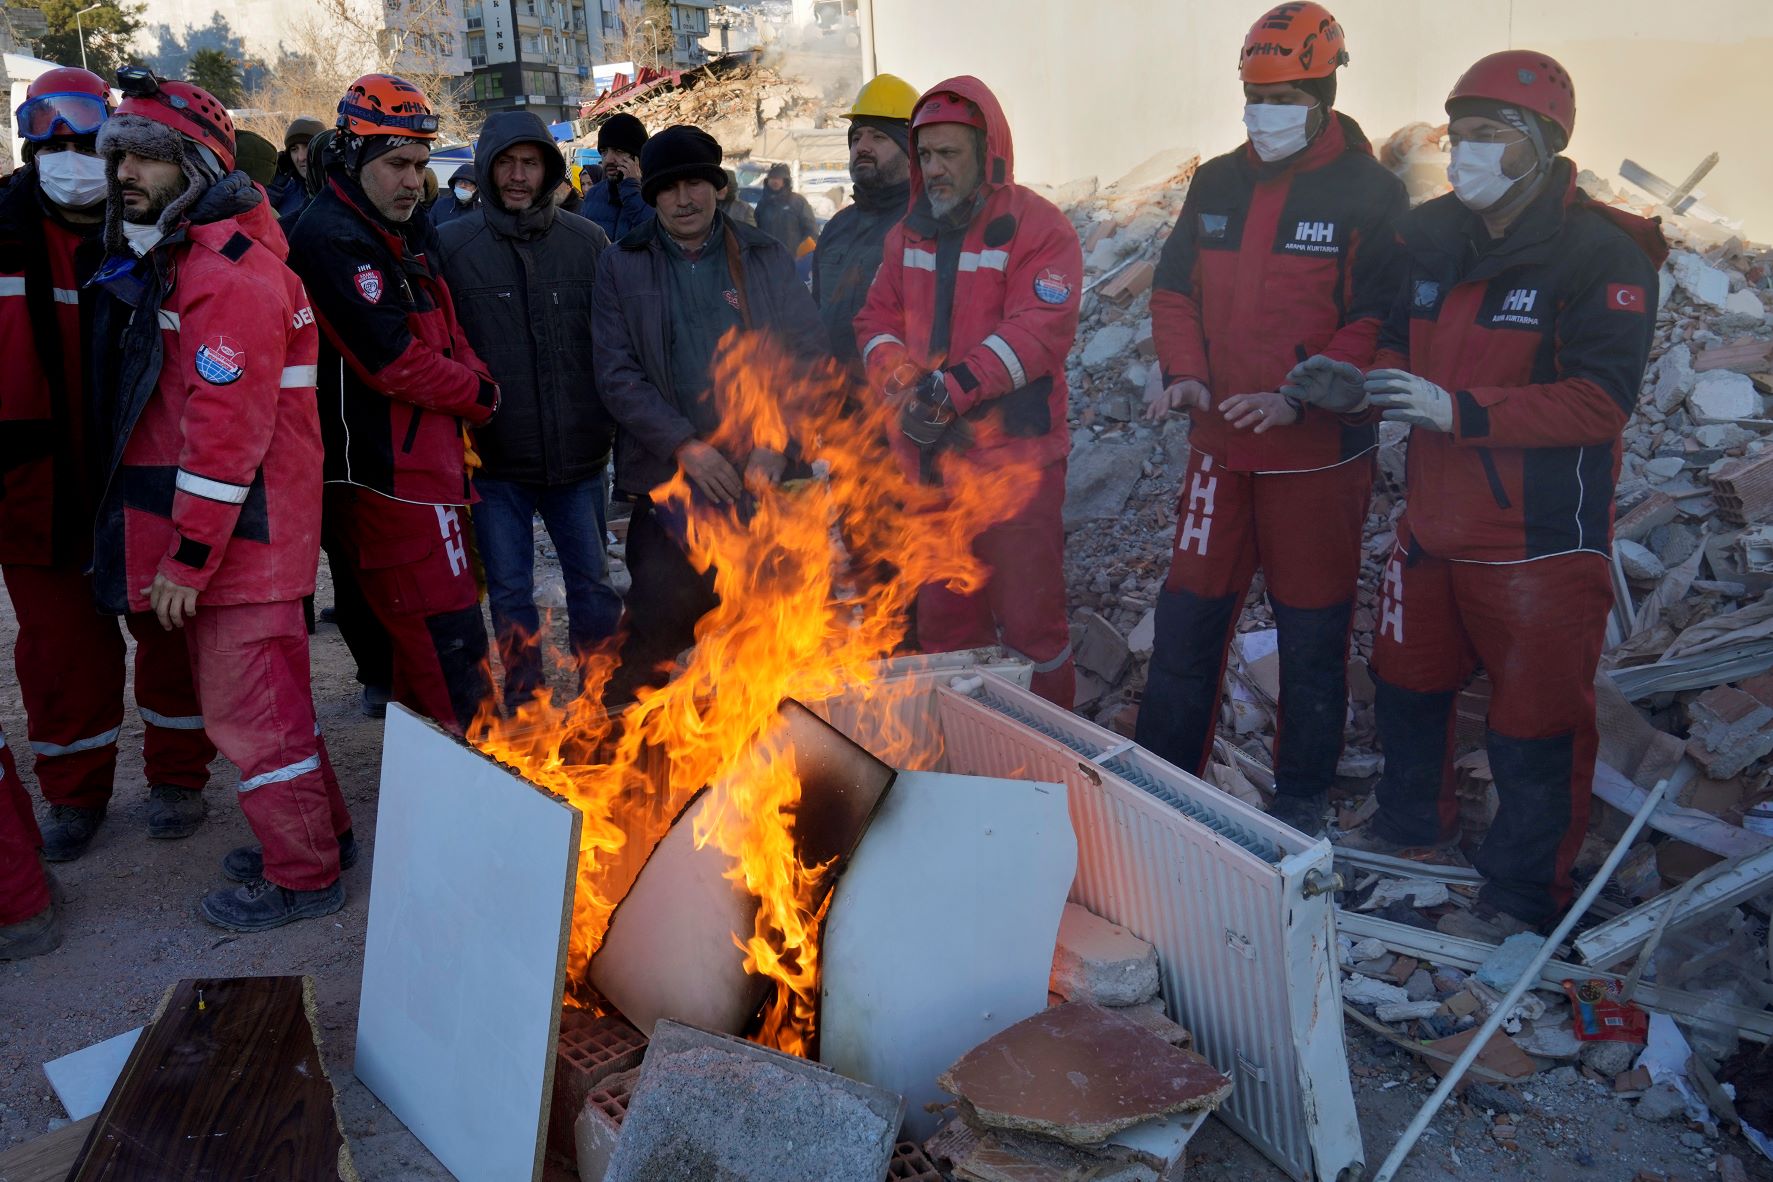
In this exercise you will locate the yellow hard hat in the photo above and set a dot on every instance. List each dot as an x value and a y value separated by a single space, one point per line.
886 96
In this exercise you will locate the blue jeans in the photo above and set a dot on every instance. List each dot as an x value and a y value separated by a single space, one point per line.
504 526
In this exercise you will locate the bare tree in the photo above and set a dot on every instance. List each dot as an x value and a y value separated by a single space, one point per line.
341 40
636 40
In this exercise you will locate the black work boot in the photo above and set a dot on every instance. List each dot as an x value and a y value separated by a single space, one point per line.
247 863
260 905
70 831
40 933
373 701
174 812
1304 813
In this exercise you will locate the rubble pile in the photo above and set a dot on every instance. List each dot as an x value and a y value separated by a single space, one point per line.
737 104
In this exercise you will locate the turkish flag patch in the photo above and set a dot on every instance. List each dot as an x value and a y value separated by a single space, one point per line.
1625 297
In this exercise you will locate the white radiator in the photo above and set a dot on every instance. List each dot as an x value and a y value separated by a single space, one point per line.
1217 886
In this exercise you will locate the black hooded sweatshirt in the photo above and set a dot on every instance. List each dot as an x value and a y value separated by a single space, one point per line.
522 284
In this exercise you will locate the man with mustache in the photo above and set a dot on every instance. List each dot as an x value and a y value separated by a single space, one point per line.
399 384
210 515
522 270
70 658
666 294
851 243
968 325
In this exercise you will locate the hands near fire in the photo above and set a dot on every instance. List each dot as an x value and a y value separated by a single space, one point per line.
1187 394
764 469
1261 412
172 603
1406 398
708 470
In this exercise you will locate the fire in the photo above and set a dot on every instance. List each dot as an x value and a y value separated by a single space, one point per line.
801 615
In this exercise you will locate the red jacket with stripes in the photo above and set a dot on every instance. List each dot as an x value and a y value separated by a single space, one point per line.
46 472
217 481
1541 338
992 302
1268 265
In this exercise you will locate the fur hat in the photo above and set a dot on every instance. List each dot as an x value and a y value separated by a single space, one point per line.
156 141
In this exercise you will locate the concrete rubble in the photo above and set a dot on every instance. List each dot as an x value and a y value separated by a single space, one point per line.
1101 962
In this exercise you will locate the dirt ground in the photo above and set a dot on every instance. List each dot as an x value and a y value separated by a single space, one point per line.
133 929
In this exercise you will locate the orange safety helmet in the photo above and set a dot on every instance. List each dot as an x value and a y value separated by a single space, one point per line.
1521 78
382 104
1292 43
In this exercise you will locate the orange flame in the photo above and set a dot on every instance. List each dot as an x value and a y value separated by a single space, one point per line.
802 614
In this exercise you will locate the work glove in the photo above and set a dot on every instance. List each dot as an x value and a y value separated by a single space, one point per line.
1320 381
929 412
1406 398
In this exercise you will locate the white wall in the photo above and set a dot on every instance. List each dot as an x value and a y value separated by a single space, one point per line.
1097 88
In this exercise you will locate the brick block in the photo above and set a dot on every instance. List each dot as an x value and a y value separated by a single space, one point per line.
590 1050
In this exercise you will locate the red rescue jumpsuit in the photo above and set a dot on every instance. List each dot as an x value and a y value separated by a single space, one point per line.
994 305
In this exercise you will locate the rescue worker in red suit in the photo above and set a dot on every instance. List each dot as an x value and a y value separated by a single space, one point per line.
398 383
70 658
29 925
969 320
1515 354
210 514
1284 251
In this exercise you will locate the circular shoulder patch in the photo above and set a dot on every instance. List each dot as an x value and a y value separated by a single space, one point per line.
1052 287
220 360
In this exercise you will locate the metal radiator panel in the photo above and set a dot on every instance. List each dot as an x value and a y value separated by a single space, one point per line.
1247 959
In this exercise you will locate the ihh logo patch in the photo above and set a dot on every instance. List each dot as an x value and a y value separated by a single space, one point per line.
220 360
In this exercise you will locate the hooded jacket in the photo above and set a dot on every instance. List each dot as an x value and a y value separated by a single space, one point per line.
522 283
288 190
992 303
632 331
848 256
398 378
1541 338
46 310
1267 265
618 209
205 384
448 209
785 216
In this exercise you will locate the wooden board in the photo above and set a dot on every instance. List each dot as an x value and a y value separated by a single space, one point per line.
464 962
227 1083
941 931
47 1158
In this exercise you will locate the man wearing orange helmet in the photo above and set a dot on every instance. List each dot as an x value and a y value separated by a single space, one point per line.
400 384
1284 250
70 659
210 514
1515 353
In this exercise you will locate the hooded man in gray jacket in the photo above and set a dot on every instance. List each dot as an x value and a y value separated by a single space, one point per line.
521 271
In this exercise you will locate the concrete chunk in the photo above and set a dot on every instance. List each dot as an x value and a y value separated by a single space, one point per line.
1101 962
711 1106
1722 395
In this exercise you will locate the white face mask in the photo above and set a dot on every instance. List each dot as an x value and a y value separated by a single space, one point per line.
1477 176
463 193
73 180
142 239
1277 131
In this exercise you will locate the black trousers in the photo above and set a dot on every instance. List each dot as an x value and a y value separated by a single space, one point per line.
667 598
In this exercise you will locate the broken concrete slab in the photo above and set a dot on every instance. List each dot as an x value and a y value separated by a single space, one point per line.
1102 650
1506 965
1639 563
711 1106
1081 1073
1728 730
1101 962
1110 341
1365 991
1672 378
1098 480
1407 1011
1702 281
1001 1156
1722 396
1143 638
1152 1016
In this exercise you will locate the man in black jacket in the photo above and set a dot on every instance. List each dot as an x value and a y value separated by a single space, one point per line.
521 270
850 246
784 214
665 295
463 196
289 188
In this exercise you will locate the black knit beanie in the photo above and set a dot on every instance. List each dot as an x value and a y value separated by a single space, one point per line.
898 130
623 132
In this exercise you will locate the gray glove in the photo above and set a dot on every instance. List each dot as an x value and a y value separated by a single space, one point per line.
1336 386
1406 398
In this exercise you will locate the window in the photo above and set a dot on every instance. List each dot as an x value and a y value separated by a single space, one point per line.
542 82
477 45
488 86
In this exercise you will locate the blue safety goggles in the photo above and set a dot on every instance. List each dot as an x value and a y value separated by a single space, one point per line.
73 113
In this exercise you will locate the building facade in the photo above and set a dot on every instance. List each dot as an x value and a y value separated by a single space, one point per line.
532 53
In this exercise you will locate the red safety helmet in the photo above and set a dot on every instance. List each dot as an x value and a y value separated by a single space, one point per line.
189 110
1291 43
66 102
944 106
381 104
1521 78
